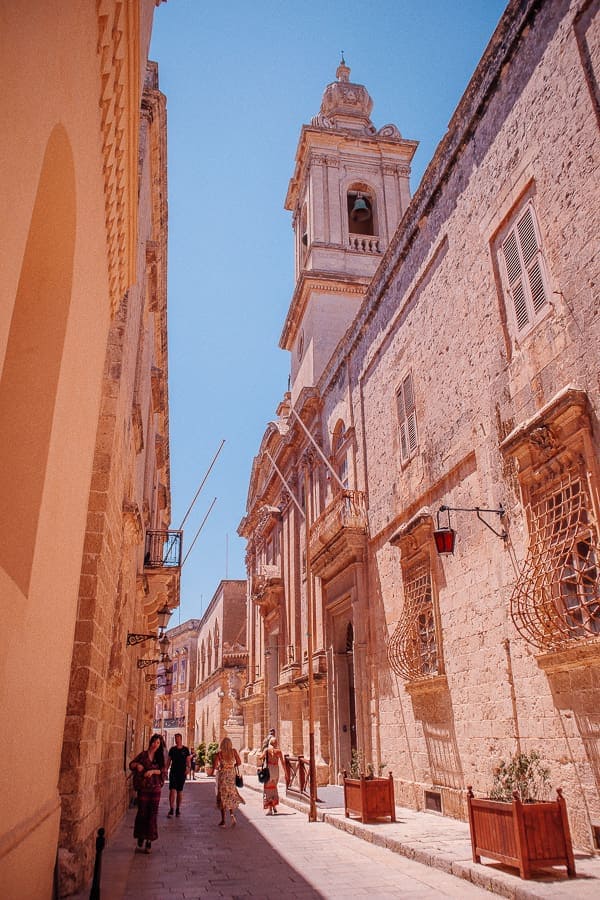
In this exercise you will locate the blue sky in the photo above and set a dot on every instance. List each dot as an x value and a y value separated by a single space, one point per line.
241 78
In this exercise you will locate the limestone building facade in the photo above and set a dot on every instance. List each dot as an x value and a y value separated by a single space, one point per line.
466 379
174 683
222 663
84 456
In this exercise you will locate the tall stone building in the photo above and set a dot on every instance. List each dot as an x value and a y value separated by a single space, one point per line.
84 454
467 380
222 661
174 683
349 191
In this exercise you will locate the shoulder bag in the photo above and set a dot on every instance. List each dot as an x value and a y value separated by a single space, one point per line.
263 771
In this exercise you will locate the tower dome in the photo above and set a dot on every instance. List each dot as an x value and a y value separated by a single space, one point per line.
345 105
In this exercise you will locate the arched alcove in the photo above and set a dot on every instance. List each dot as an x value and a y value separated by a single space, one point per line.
360 202
34 353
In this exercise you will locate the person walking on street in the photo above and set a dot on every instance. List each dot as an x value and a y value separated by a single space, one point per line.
149 771
227 761
179 766
193 765
274 756
265 743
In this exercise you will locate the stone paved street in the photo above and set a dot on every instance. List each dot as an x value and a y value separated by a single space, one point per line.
263 856
288 857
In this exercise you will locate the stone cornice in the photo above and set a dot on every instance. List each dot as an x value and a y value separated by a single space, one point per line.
119 54
307 283
316 143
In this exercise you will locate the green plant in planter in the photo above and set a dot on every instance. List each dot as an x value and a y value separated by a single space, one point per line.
211 752
523 773
358 767
201 754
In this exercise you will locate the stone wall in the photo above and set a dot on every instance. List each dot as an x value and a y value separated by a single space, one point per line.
109 709
525 130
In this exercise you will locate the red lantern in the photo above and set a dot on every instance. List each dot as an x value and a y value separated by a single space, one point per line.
444 540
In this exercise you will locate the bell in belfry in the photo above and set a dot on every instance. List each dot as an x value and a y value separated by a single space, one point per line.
360 210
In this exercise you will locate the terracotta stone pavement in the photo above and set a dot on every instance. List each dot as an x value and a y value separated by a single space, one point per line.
285 856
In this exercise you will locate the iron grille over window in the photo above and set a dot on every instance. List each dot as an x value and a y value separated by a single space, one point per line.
557 596
413 649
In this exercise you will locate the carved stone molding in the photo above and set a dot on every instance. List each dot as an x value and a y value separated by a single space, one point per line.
133 527
118 30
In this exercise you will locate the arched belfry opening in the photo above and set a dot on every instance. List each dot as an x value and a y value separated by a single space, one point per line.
360 203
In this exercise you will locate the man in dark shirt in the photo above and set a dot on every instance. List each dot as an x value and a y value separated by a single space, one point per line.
179 766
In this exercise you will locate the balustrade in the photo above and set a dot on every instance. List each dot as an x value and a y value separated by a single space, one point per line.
364 243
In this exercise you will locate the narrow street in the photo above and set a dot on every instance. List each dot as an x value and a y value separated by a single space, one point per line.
281 856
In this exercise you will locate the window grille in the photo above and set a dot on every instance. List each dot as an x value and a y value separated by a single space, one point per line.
524 270
413 649
407 419
557 596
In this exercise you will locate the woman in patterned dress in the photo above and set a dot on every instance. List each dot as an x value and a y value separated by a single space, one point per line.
271 795
149 770
228 797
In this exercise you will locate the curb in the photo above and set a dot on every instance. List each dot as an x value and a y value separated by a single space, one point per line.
482 876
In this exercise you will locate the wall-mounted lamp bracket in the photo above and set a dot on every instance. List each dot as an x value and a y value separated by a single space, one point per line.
144 663
445 536
133 638
500 511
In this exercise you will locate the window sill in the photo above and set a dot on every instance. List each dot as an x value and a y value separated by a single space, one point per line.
580 654
427 684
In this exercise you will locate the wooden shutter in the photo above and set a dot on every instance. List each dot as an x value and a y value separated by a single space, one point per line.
407 419
524 270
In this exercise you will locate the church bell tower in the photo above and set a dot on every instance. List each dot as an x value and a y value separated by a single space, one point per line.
349 191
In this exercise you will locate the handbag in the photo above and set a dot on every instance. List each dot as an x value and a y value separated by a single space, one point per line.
239 781
263 771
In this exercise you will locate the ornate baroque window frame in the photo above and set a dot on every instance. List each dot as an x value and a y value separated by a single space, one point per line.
415 542
554 449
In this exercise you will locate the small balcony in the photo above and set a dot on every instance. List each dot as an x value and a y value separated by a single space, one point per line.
267 587
338 536
163 550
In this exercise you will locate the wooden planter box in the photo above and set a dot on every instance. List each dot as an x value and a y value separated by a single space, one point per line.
369 798
524 835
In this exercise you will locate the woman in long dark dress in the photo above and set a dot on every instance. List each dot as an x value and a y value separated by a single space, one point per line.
149 770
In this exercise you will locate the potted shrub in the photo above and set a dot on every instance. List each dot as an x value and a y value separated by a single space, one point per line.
367 796
211 752
201 755
517 825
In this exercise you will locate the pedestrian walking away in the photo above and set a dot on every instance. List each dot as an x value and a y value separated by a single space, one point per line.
270 735
179 766
273 756
149 771
227 762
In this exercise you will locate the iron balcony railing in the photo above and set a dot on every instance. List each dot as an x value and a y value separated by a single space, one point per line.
163 549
